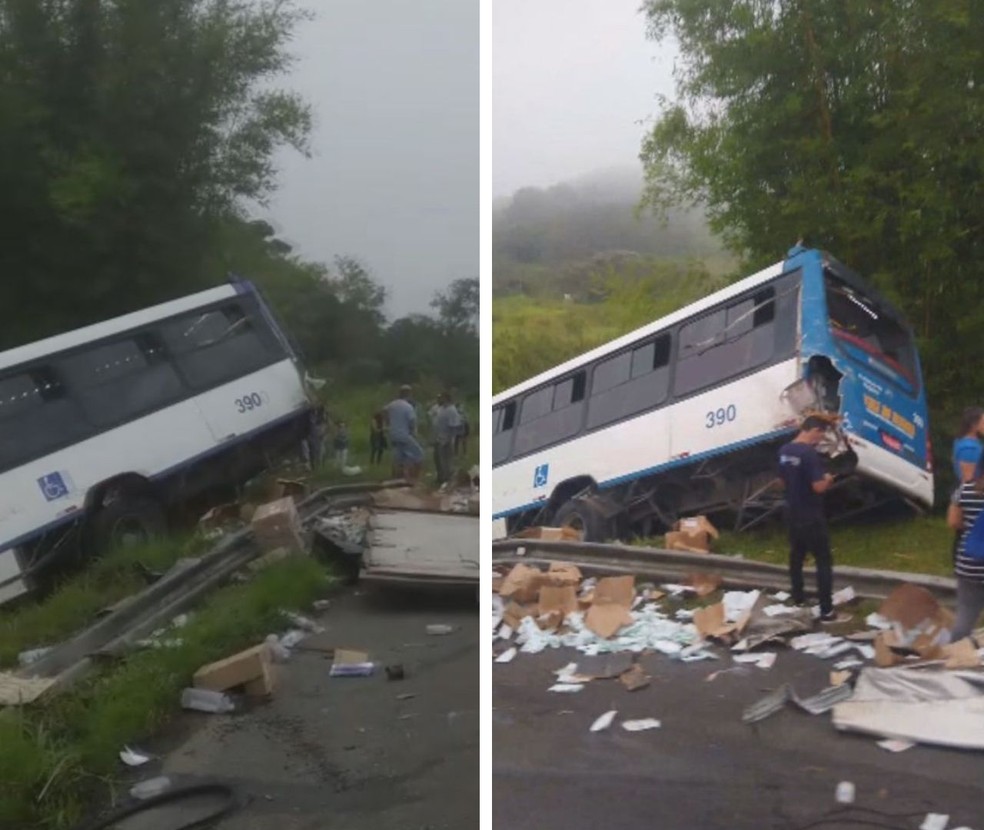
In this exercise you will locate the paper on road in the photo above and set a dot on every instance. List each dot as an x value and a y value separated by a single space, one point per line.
640 725
604 721
506 656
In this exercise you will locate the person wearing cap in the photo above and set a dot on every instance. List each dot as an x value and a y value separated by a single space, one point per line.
401 420
805 480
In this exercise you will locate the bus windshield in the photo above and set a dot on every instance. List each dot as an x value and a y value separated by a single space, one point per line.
856 320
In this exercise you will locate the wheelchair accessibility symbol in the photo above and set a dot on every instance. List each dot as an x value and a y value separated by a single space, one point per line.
53 486
540 475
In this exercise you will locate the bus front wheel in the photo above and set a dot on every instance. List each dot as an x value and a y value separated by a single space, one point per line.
586 517
127 521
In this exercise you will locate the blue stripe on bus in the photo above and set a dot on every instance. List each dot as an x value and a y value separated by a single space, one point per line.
75 515
678 462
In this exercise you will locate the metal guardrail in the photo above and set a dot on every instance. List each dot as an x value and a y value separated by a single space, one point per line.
736 572
174 592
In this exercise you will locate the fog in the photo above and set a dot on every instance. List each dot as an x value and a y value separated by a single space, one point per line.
394 178
574 84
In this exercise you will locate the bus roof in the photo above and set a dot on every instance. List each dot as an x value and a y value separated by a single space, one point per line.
650 328
107 328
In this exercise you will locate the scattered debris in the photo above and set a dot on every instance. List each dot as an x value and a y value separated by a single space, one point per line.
151 788
935 821
26 658
896 745
762 659
552 534
279 653
321 604
349 663
395 672
277 524
566 688
640 725
823 702
844 794
132 758
691 534
604 721
206 700
438 630
507 656
634 678
252 669
406 696
302 622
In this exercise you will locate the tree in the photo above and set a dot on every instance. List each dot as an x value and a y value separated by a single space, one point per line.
857 124
129 132
458 307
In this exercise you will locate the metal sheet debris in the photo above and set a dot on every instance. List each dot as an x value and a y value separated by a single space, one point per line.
824 701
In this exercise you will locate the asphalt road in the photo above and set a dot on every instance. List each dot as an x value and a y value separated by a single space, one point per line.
703 769
348 753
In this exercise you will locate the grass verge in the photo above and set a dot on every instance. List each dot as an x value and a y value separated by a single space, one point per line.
59 758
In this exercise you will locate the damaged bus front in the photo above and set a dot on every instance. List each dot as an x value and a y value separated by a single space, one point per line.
685 415
860 362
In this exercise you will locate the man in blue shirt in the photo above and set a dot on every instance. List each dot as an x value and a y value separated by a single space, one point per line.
967 449
802 473
401 418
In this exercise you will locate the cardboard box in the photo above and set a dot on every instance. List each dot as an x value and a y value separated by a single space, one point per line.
522 584
263 686
551 534
277 524
692 534
609 611
237 670
561 574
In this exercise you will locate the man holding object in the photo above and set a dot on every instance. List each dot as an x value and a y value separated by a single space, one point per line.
802 473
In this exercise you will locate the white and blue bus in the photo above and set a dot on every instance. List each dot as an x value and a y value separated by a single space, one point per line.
685 415
105 429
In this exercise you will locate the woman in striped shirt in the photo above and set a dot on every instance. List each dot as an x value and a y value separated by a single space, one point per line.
966 506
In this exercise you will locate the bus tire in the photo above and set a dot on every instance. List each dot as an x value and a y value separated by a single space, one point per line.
586 516
126 521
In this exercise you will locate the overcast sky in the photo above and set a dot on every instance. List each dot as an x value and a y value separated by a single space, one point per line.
571 80
395 176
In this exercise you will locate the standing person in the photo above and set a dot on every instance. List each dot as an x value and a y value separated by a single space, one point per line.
446 423
969 563
802 474
461 439
313 445
401 419
377 438
968 449
341 445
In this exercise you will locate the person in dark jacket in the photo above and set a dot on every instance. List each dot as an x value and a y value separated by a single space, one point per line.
805 480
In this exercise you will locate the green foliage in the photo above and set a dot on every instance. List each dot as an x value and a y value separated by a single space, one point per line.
530 336
129 129
854 124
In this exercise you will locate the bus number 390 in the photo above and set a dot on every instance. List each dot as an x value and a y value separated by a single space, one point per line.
721 416
248 402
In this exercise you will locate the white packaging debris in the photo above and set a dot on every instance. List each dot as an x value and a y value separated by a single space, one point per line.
279 652
604 721
763 659
876 620
782 596
935 821
849 663
300 621
132 758
835 650
844 793
566 688
866 651
640 725
895 745
505 631
843 595
737 603
25 658
684 614
292 638
678 590
813 640
506 656
778 610
440 629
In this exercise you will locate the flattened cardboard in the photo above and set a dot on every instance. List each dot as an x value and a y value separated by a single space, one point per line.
562 599
961 655
615 590
607 618
635 678
515 613
710 622
560 574
911 605
705 584
521 584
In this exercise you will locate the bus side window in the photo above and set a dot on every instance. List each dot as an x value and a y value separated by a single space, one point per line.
630 383
218 346
551 414
37 416
725 343
503 420
121 380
